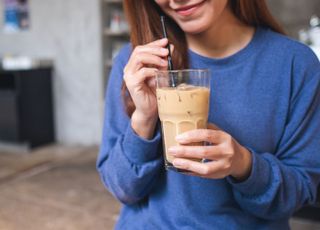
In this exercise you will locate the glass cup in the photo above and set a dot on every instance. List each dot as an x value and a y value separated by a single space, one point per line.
183 105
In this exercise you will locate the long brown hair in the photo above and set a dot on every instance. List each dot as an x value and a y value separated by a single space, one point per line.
144 20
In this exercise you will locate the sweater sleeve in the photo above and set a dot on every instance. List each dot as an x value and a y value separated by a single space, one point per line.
127 164
283 181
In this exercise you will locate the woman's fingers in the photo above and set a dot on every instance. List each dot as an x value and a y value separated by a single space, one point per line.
160 42
199 152
151 82
155 50
145 74
200 135
140 76
212 169
153 53
138 61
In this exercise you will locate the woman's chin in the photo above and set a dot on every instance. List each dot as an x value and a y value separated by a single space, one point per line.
193 29
195 26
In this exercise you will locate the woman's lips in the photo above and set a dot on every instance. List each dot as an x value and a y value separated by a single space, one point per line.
188 10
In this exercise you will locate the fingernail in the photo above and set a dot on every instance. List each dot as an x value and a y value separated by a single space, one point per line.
164 50
180 137
173 150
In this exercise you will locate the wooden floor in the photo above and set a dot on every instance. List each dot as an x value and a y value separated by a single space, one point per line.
57 187
54 188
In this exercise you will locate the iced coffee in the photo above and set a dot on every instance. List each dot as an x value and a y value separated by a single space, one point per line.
183 104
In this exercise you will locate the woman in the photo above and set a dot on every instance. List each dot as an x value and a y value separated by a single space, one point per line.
263 160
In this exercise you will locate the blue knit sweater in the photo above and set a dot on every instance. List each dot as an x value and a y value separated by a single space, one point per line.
267 96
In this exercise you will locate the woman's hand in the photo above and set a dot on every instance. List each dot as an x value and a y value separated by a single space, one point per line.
226 156
139 78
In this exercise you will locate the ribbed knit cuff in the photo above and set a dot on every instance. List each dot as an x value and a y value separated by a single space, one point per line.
139 150
259 178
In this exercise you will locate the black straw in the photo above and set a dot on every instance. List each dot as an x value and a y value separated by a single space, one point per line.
170 65
164 33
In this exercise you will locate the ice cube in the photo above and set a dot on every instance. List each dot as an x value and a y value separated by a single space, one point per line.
185 86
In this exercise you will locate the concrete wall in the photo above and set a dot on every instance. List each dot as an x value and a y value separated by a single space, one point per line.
69 32
294 15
